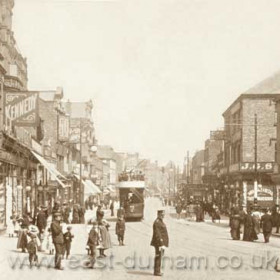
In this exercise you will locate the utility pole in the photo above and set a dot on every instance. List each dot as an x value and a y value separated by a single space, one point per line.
188 167
81 183
256 161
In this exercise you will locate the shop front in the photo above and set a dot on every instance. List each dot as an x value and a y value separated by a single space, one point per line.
17 179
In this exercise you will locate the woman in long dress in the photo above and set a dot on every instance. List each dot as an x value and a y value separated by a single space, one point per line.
249 228
76 217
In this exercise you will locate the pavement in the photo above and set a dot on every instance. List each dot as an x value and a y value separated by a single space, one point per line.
196 251
224 222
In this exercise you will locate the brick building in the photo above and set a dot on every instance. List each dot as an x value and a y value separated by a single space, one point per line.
250 138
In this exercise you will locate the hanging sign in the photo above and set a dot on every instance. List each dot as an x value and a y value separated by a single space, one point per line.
64 128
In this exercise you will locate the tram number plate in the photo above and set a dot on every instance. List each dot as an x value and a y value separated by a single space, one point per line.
131 208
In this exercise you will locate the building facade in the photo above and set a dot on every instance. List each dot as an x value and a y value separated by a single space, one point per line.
250 154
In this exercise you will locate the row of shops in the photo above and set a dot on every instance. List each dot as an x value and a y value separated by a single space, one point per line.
28 180
242 190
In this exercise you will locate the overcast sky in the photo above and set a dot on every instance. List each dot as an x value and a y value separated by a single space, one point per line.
160 73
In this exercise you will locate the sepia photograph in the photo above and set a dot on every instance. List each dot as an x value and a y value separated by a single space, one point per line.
140 139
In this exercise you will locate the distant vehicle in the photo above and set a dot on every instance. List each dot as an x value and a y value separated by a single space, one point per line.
131 192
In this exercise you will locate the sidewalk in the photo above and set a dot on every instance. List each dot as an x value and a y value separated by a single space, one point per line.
224 222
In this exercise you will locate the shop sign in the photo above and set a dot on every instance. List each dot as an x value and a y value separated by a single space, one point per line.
264 193
64 128
261 166
75 132
21 108
11 158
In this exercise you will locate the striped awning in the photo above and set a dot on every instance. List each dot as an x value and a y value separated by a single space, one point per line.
54 172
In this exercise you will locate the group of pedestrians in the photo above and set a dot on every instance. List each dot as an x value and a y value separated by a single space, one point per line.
198 209
253 222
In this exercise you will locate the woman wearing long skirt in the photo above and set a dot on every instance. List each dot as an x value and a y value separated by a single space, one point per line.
249 228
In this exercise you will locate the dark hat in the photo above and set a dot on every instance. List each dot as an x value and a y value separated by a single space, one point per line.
161 211
69 227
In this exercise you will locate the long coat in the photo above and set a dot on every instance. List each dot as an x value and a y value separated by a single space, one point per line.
235 226
266 223
57 234
249 229
76 217
160 234
41 220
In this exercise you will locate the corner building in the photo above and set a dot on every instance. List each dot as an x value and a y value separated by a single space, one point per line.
250 151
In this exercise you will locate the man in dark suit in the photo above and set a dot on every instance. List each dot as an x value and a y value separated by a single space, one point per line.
159 241
266 224
58 240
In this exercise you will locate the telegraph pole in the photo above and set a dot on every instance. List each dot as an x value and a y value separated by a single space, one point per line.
256 161
81 183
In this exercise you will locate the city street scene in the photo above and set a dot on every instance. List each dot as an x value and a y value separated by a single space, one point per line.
140 139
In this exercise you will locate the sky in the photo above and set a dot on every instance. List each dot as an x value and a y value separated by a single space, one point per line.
160 72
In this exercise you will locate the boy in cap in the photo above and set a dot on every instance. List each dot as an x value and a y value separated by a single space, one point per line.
93 241
68 236
120 229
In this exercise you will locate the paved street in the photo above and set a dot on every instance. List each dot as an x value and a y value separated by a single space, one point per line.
188 241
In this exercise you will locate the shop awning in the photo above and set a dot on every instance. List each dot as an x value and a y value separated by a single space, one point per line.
51 169
90 187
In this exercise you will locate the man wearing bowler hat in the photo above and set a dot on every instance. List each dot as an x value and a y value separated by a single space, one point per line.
58 240
159 240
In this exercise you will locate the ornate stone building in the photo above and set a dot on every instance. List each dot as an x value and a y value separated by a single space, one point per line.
13 66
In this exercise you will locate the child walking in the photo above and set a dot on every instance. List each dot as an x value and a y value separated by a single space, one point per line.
32 246
68 236
120 229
